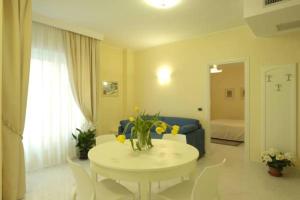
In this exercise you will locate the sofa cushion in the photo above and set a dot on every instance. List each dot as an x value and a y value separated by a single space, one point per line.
123 124
186 125
180 121
188 128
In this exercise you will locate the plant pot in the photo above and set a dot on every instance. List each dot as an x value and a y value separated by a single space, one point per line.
83 155
275 171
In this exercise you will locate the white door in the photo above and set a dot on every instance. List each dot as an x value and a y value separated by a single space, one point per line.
279 107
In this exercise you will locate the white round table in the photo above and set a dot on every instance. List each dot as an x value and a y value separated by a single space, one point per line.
166 160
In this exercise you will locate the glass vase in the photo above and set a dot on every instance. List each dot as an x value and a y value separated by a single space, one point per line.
143 142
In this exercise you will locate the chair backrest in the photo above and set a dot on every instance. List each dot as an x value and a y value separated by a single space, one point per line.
105 138
85 189
177 137
206 185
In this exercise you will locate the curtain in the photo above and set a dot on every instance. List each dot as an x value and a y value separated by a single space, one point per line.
16 61
82 61
52 113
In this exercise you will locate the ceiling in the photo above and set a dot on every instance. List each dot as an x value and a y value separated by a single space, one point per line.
134 24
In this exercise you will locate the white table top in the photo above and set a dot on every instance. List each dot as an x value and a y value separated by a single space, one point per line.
165 154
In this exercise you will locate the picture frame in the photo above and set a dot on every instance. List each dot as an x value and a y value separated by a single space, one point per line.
229 93
110 88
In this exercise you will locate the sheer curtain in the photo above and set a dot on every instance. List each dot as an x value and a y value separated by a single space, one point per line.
52 113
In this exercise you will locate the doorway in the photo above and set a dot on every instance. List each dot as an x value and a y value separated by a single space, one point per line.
228 95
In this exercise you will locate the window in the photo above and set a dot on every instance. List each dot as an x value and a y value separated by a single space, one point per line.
52 113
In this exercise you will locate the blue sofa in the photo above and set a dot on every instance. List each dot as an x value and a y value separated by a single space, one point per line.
189 127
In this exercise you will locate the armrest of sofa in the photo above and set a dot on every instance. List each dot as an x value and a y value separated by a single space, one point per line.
197 139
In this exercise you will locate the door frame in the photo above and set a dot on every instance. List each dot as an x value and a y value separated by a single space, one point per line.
246 102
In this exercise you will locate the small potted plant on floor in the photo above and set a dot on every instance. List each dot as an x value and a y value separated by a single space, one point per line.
85 140
277 161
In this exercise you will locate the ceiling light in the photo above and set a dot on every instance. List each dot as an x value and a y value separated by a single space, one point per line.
163 4
215 69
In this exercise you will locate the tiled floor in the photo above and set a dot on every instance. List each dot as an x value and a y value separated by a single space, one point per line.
240 181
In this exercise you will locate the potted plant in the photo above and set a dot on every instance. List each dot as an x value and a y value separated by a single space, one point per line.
85 140
277 161
141 126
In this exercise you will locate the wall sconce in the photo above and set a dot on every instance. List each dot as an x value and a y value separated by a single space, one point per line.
164 75
163 4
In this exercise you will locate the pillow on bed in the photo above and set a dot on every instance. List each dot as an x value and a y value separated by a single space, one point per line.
188 128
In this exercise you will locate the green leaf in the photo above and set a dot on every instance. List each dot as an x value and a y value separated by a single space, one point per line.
85 140
75 138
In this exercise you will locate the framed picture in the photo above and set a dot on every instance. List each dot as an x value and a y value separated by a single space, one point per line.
242 91
110 88
229 93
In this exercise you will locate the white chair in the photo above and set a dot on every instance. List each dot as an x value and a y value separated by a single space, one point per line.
102 139
177 137
105 138
205 187
86 189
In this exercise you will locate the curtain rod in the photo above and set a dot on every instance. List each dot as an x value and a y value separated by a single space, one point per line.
65 26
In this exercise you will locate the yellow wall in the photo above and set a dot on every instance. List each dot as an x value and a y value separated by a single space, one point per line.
189 59
116 64
128 82
232 77
1 7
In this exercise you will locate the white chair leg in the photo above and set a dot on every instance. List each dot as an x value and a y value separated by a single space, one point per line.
94 176
74 194
150 190
139 190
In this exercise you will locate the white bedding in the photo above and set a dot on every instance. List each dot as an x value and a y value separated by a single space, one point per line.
228 129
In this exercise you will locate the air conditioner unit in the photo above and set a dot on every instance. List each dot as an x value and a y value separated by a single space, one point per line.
272 2
272 17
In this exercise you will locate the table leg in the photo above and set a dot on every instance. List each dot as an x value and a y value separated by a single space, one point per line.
145 190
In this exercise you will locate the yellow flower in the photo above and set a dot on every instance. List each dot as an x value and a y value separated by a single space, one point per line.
131 119
121 138
159 130
176 127
164 126
174 131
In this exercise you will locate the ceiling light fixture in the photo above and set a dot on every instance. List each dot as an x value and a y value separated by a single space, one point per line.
163 4
215 69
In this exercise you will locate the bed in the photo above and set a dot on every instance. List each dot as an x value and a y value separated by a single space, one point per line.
228 129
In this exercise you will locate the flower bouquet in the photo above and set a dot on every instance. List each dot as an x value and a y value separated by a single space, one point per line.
140 133
276 161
